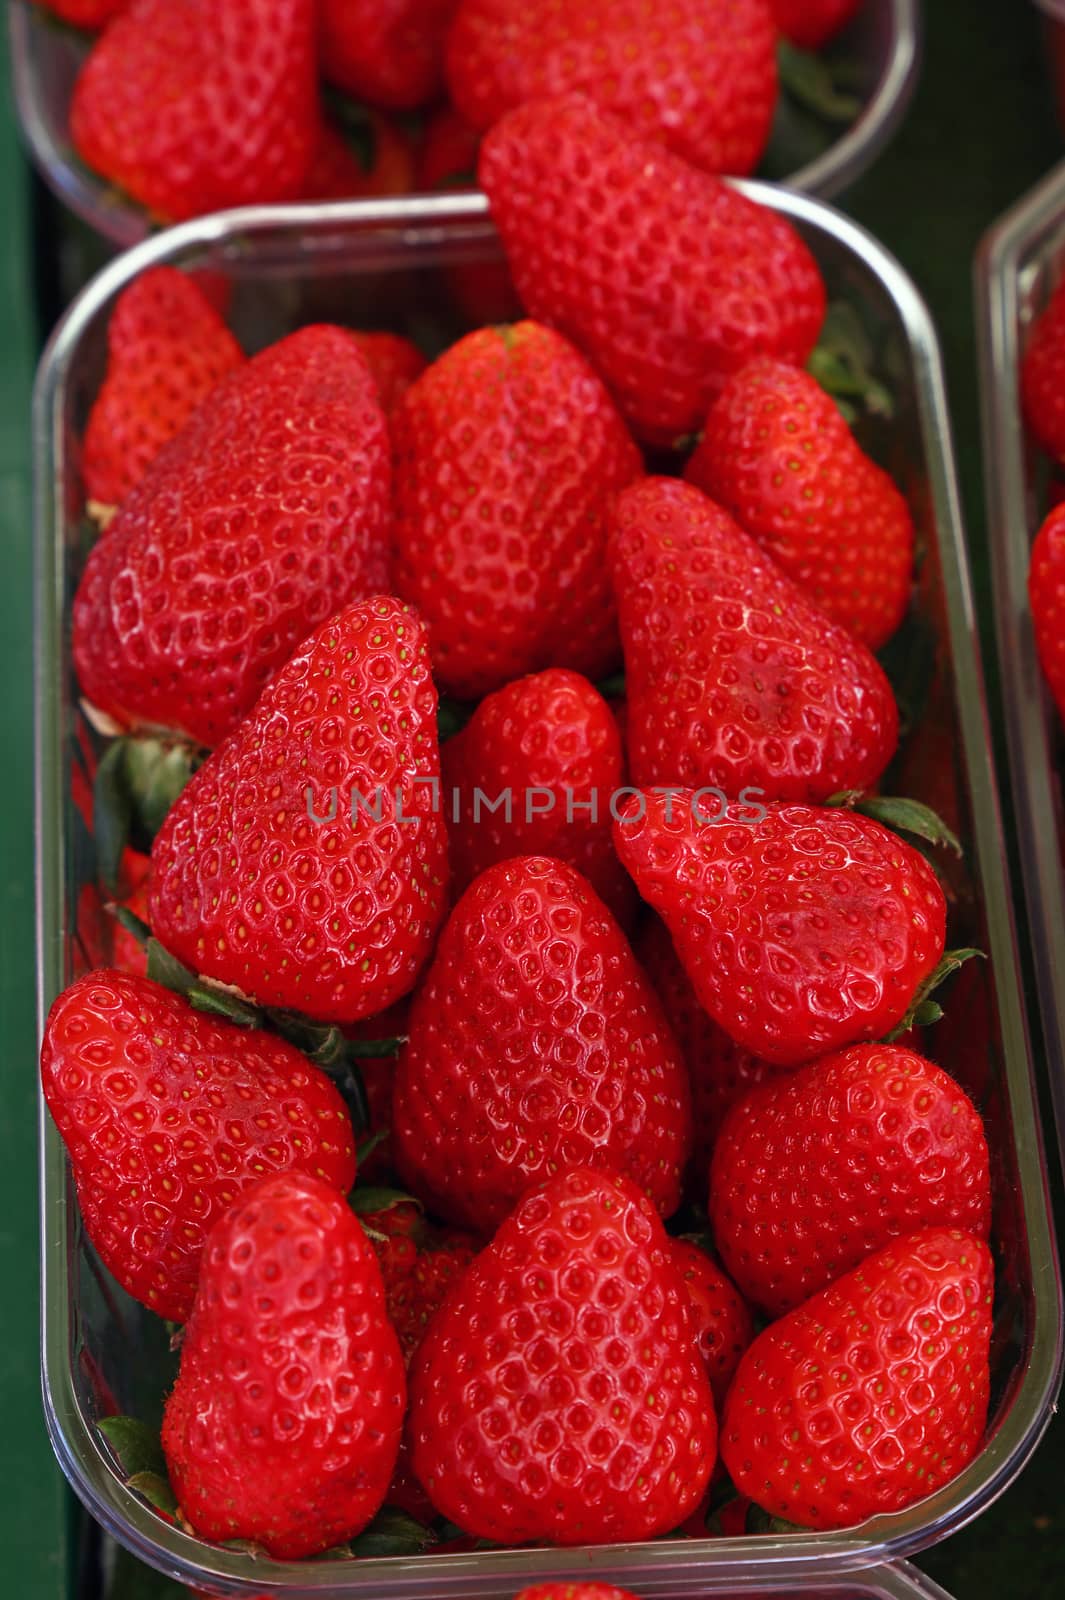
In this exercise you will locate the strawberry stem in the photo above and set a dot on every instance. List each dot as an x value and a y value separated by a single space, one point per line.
815 84
131 922
924 1011
843 360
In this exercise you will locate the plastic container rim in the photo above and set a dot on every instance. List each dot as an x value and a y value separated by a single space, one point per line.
706 1566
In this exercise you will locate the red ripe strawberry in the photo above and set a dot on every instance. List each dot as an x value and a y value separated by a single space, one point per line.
535 1042
802 932
698 75
575 1591
720 1317
734 677
167 348
389 52
719 1070
558 1395
284 1425
394 363
871 1395
1046 595
193 106
306 861
379 162
777 453
168 1116
85 13
419 1263
261 518
507 452
550 747
812 23
667 278
815 1171
1043 376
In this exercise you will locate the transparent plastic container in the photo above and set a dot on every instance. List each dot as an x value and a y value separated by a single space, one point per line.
395 263
883 41
1020 260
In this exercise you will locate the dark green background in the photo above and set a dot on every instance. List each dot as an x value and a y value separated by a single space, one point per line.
980 133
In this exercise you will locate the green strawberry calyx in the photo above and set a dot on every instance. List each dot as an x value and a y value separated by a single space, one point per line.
817 84
140 1455
324 1045
923 1010
900 815
137 781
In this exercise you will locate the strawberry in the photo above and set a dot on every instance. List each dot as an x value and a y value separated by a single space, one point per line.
719 1070
419 1261
871 1395
261 518
667 278
167 348
448 155
1046 595
507 452
284 1425
720 1317
168 1115
306 861
379 161
734 677
1043 376
85 13
389 52
558 1395
804 931
193 106
394 363
535 1042
698 75
778 455
816 1170
575 1591
810 24
550 743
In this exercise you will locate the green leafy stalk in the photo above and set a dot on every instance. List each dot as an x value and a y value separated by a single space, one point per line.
137 781
924 1011
843 362
900 815
815 84
392 1533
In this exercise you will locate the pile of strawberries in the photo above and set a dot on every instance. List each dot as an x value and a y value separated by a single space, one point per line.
509 1072
191 106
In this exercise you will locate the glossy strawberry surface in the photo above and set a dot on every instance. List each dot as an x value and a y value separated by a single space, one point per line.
777 453
816 1170
1046 594
193 106
507 453
872 1394
734 678
167 348
535 1043
284 1425
719 1070
559 1396
1043 376
260 519
388 52
807 930
666 278
720 1317
168 1116
698 75
306 861
545 754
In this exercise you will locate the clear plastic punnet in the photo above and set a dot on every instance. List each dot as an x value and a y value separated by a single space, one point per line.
400 264
883 43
